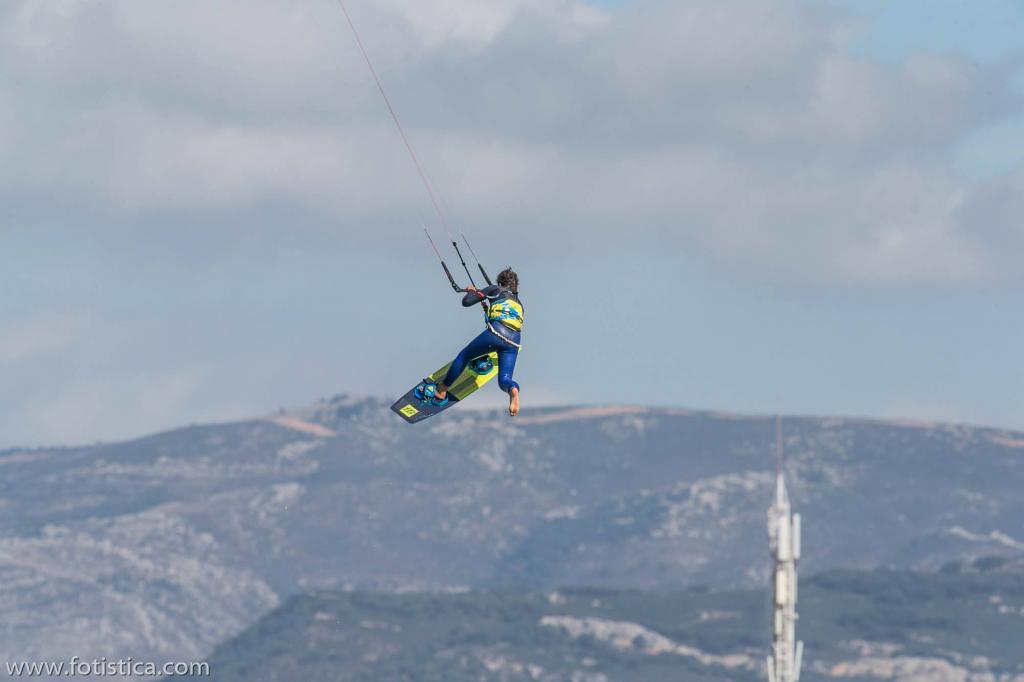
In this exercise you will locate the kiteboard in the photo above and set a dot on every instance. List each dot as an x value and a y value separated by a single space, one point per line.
421 401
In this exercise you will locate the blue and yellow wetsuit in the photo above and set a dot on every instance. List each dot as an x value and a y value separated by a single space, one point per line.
504 319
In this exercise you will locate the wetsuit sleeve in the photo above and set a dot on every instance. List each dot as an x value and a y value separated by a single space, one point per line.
492 291
473 297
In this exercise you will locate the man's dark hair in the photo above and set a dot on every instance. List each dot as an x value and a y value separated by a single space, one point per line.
509 279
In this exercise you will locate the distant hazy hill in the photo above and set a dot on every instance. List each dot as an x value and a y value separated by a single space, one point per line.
960 625
164 546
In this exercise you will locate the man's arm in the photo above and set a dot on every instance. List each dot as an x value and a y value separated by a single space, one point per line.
474 295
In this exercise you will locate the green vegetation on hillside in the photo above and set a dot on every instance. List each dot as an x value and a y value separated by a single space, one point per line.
961 618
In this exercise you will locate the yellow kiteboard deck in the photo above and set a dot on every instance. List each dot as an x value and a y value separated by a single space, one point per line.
419 403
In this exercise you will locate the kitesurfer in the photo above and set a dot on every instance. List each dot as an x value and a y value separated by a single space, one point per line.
504 319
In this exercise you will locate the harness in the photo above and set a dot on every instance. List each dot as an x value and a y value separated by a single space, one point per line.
503 337
507 312
504 307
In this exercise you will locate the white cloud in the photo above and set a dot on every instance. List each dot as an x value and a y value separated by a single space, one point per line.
742 129
84 408
39 335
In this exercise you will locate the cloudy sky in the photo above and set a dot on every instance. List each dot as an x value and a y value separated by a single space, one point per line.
751 205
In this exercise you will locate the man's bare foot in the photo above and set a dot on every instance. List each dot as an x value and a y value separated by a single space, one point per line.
441 392
513 402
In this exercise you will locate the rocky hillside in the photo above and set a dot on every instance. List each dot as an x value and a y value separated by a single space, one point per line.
165 546
964 624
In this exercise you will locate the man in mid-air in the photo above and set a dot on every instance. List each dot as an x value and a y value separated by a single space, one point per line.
504 319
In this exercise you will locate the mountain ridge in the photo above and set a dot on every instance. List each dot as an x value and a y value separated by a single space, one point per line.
180 539
553 412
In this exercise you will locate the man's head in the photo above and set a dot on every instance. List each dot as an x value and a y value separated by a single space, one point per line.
509 279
